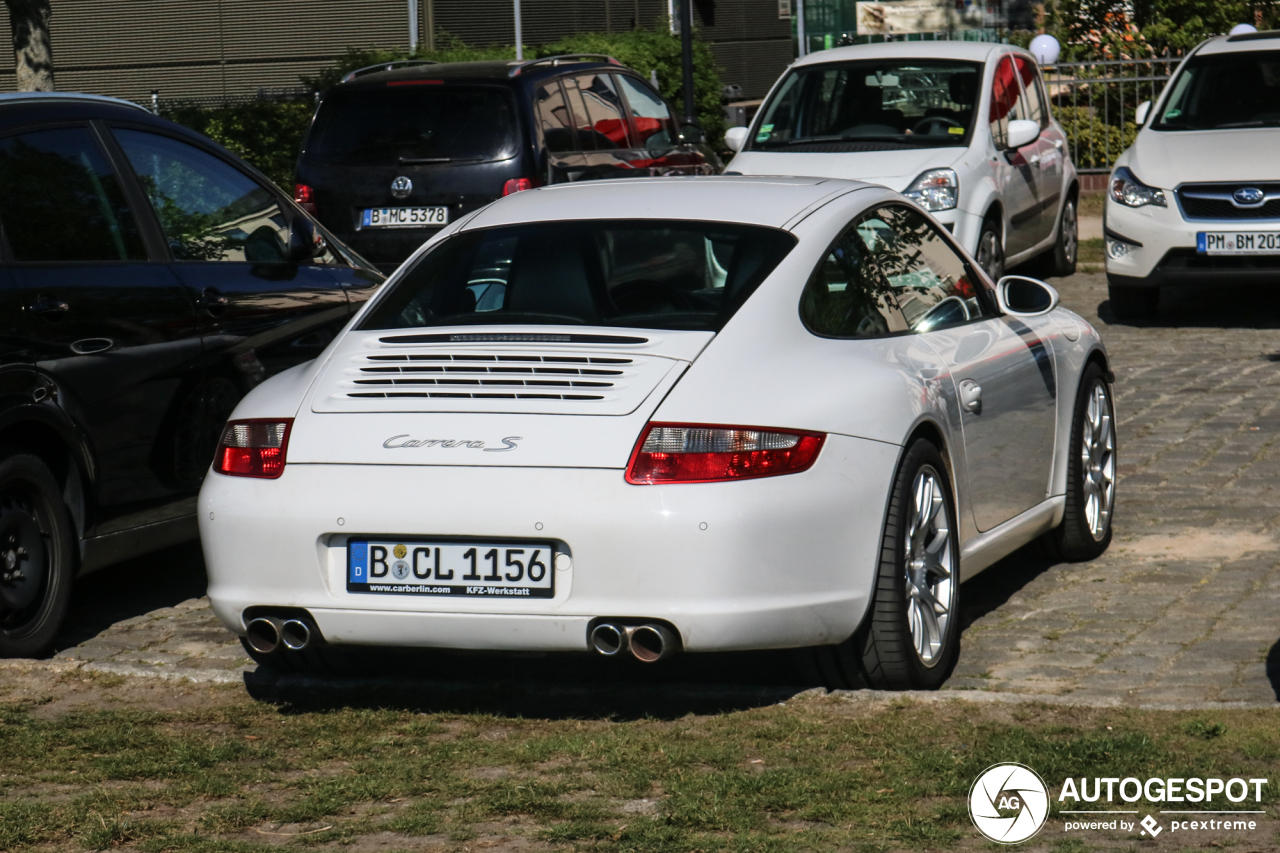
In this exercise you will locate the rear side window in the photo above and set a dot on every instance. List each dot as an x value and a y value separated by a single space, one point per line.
60 200
890 272
600 118
413 122
556 133
209 210
654 124
652 274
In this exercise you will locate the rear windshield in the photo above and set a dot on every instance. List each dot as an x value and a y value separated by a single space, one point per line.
1225 90
405 124
871 105
641 274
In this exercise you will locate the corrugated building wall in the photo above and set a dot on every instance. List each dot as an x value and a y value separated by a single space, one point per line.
229 49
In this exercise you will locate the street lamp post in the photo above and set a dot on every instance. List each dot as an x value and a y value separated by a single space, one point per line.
413 26
686 55
519 35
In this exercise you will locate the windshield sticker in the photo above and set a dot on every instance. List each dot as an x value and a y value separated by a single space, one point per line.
957 131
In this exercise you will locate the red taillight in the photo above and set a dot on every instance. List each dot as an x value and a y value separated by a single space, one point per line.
703 453
253 448
515 185
305 197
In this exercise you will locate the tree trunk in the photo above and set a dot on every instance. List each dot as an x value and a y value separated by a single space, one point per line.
33 55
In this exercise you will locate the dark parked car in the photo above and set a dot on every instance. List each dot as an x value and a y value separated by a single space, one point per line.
148 279
397 151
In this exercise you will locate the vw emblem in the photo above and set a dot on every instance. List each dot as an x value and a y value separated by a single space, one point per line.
401 187
1248 196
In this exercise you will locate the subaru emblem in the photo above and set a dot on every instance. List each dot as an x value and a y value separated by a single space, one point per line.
1248 196
402 186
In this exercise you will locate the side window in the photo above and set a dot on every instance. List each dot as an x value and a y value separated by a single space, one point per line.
209 210
847 297
930 283
654 123
599 116
1032 102
61 201
1005 95
555 121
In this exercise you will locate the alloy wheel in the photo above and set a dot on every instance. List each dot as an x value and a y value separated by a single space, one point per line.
1098 462
1070 233
991 255
930 579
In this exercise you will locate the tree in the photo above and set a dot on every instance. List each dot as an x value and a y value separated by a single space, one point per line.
29 20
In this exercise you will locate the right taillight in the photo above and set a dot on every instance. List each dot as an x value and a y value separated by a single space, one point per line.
253 448
305 197
704 453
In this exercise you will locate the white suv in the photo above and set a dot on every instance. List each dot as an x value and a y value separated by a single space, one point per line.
963 128
1197 195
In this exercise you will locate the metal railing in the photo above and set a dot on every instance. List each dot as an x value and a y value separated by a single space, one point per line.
1095 102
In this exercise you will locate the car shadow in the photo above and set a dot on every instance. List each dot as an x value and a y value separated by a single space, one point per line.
132 588
1238 306
994 587
553 686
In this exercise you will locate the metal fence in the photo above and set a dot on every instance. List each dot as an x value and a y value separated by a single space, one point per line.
1096 103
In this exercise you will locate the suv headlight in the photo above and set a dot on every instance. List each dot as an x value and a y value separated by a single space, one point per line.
936 189
1126 189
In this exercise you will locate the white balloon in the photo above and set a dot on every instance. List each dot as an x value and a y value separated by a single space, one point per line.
1045 49
1243 28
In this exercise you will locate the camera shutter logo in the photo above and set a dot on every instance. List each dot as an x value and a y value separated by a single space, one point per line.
1008 803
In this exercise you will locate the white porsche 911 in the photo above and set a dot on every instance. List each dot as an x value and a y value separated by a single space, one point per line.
648 416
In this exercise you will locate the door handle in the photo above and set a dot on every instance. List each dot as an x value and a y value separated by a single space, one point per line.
211 300
971 396
48 305
89 346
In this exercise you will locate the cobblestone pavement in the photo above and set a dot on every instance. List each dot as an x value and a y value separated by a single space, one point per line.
1184 609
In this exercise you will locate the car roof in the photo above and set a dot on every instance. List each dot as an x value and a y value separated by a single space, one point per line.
1265 40
974 51
493 70
66 98
767 201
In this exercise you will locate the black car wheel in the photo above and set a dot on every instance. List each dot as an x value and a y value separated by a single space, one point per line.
37 556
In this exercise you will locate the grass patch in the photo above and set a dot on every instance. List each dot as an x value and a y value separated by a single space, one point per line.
1091 253
817 774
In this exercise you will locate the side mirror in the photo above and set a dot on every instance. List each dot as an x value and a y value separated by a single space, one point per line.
1025 297
1023 132
735 138
1140 117
305 242
691 134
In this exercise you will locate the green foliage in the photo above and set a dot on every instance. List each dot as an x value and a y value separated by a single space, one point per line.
448 49
1094 144
1178 25
268 135
1203 729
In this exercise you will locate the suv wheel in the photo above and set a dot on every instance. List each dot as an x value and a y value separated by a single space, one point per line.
37 554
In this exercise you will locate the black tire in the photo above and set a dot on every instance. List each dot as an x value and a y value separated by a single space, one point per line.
1133 303
884 653
990 250
1085 531
37 556
1067 246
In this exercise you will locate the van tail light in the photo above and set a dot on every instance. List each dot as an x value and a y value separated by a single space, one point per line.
515 185
253 448
305 197
703 453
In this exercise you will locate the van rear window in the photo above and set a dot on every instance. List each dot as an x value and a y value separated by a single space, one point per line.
403 125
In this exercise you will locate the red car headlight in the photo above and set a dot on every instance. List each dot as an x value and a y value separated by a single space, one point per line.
253 448
706 453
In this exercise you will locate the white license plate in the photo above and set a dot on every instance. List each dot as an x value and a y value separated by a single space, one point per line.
404 217
475 569
1238 242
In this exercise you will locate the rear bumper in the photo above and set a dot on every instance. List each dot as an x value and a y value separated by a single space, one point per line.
772 563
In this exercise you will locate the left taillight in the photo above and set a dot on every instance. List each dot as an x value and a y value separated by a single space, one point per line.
516 185
253 448
305 197
711 453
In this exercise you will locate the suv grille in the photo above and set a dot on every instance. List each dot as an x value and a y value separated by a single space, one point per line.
1214 201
